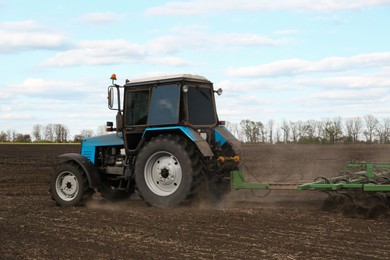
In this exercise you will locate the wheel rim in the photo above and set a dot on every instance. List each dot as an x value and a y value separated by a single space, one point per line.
163 173
67 186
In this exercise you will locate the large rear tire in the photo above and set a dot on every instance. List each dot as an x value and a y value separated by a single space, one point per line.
167 171
69 185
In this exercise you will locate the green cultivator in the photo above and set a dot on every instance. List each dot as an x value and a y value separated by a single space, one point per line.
361 188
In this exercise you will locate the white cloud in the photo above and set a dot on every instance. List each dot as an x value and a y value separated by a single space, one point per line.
346 81
13 116
168 61
242 39
43 89
197 40
27 35
198 7
332 18
96 53
349 94
299 66
101 18
109 52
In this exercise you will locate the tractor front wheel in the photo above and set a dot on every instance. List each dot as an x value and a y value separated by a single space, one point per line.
167 171
69 185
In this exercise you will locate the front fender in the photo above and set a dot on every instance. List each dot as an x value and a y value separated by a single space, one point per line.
88 167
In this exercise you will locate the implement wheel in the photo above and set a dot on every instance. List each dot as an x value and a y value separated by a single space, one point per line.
69 185
167 171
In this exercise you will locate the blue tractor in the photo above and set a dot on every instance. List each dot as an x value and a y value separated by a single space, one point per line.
168 144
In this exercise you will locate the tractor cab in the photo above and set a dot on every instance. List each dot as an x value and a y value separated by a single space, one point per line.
165 103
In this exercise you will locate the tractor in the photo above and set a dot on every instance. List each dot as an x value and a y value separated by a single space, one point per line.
168 144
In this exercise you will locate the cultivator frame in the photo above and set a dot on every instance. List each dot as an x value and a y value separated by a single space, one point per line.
361 189
373 177
370 177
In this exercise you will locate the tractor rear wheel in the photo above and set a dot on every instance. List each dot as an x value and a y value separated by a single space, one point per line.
167 171
69 185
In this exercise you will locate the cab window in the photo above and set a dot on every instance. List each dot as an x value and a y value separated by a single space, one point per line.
200 106
164 105
137 107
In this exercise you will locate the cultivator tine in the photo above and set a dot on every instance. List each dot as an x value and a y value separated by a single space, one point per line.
364 192
336 202
368 205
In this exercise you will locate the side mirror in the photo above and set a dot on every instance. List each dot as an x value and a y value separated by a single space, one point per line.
110 97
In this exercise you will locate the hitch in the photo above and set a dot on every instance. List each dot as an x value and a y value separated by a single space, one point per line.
222 159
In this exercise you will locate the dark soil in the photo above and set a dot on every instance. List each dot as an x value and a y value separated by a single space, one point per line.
249 225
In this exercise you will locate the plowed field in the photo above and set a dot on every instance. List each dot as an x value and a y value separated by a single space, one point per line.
249 225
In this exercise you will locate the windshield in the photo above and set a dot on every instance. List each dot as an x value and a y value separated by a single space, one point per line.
164 105
201 105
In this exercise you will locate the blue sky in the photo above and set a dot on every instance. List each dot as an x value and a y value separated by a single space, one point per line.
292 59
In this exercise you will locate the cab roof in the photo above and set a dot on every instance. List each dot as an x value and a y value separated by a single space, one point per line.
167 78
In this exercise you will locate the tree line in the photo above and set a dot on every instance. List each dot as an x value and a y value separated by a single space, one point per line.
326 131
51 133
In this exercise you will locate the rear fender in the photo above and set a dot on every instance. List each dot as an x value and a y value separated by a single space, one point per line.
191 134
88 167
223 136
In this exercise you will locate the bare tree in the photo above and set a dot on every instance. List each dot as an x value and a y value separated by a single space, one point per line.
49 133
38 132
234 129
286 131
263 132
11 135
353 126
22 138
337 124
86 133
306 131
61 133
101 130
349 128
357 129
3 137
383 131
246 126
371 127
294 127
270 127
252 130
332 129
278 134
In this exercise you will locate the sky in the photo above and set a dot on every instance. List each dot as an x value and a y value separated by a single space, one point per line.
281 60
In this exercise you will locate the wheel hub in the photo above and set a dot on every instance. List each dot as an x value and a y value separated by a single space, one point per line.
163 173
67 186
